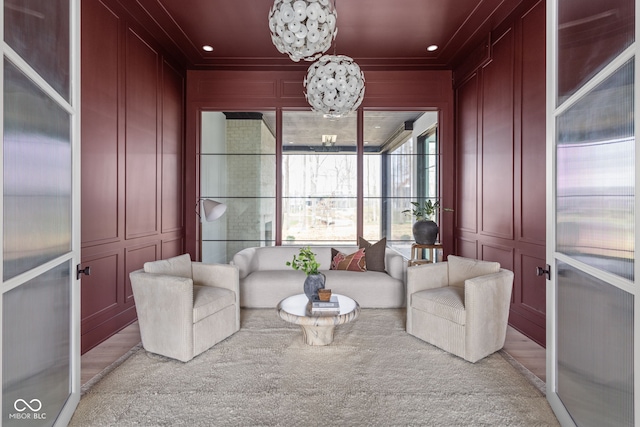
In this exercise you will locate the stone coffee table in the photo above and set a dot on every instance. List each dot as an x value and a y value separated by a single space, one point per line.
317 329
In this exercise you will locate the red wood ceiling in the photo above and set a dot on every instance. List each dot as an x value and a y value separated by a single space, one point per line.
376 33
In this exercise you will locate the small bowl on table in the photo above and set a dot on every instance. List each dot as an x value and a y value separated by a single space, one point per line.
324 294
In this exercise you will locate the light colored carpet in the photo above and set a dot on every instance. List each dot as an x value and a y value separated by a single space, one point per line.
374 373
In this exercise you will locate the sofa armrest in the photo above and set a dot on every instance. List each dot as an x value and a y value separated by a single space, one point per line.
164 305
487 300
216 275
395 264
243 260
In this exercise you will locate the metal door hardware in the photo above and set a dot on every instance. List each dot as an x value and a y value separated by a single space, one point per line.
546 271
86 271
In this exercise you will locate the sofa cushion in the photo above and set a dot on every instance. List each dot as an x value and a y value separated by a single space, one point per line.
446 302
351 262
208 300
461 269
374 253
179 266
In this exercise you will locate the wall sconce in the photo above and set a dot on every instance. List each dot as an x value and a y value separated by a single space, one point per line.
212 209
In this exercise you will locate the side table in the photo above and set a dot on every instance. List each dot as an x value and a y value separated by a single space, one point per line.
424 254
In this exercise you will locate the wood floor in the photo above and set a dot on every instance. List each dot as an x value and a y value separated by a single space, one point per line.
521 348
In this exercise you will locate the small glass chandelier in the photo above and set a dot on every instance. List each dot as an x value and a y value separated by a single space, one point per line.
334 85
303 29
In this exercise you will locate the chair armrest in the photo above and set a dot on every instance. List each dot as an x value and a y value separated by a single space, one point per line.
427 276
164 305
243 261
216 275
487 300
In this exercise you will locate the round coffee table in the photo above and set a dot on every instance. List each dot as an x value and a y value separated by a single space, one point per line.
317 328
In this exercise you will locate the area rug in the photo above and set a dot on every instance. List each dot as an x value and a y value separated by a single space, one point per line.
373 374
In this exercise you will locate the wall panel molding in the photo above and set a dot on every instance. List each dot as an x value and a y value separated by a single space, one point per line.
501 214
133 153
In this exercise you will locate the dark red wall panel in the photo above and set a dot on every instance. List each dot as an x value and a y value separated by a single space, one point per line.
496 158
467 149
95 298
100 98
141 142
533 162
132 163
172 149
507 161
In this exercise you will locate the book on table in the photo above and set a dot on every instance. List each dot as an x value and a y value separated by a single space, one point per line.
333 305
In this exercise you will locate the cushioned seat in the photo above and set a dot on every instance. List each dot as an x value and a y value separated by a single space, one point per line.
185 307
461 306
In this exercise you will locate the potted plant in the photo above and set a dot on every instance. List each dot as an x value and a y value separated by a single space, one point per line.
425 230
306 261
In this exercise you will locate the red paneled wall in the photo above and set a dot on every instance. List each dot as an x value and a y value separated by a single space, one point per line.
132 163
500 160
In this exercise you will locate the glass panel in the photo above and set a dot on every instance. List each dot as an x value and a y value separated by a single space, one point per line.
319 178
245 219
38 30
596 176
37 176
36 345
238 175
590 34
594 349
238 168
399 167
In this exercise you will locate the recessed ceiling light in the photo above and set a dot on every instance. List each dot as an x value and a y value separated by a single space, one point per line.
432 48
207 48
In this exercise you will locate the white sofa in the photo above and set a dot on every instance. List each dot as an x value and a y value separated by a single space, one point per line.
265 279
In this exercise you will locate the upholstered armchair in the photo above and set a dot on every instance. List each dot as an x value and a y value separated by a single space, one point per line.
185 307
461 306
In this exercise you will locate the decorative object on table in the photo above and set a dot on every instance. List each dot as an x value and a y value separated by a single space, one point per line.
306 261
351 262
303 29
425 230
334 85
324 294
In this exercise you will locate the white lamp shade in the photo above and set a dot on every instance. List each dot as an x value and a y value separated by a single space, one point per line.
212 209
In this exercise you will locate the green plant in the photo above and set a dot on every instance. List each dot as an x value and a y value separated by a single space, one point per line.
424 210
305 261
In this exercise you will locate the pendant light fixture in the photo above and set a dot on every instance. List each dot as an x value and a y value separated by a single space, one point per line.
303 29
334 85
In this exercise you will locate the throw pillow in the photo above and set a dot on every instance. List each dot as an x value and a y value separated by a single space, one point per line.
375 253
352 262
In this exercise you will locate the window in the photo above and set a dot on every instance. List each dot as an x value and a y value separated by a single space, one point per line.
322 202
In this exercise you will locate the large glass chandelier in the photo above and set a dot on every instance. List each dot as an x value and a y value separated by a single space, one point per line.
334 85
303 29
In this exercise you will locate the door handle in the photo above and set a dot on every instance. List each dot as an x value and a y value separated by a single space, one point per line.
546 271
86 271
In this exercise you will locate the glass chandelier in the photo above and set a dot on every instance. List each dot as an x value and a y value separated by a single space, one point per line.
334 85
303 29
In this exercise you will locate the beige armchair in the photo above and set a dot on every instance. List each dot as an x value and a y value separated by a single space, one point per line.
185 307
461 306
